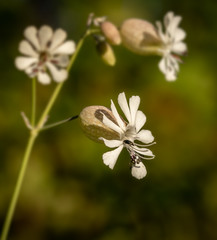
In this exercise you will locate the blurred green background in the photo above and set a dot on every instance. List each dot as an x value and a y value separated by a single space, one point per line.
68 193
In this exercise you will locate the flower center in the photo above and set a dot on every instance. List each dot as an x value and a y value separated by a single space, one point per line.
43 58
130 133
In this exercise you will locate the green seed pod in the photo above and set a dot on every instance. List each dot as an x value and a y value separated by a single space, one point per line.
106 53
111 33
140 37
91 123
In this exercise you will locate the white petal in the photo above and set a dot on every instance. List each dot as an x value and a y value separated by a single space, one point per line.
45 34
140 120
122 101
61 60
160 31
111 143
31 34
110 158
169 66
26 49
134 105
43 78
174 23
179 35
111 125
179 48
117 116
139 171
59 37
171 23
168 18
58 75
171 76
31 70
66 48
24 62
162 65
144 152
145 136
172 62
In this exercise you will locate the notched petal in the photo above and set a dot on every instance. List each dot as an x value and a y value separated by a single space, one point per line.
139 170
145 136
44 78
59 75
24 62
26 49
110 158
111 143
31 35
45 34
66 48
140 120
59 37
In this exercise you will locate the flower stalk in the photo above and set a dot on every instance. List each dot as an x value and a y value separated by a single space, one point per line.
33 102
34 132
18 186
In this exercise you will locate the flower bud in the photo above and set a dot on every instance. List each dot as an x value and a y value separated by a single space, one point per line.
91 121
111 33
140 36
106 53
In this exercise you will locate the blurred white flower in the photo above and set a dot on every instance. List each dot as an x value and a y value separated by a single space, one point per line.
128 134
95 21
45 49
172 46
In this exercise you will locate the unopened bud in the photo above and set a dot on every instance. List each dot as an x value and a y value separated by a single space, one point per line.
111 33
91 121
140 36
106 53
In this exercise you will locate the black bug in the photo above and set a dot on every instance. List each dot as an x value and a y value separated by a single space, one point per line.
135 159
128 142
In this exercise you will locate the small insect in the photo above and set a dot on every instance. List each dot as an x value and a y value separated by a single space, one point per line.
128 142
135 159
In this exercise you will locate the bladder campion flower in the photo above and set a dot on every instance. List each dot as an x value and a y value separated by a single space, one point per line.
45 49
100 123
173 45
144 38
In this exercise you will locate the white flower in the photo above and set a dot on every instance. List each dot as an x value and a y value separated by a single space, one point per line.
95 21
128 133
45 49
173 45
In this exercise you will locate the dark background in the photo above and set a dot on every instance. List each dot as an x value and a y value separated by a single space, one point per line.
68 193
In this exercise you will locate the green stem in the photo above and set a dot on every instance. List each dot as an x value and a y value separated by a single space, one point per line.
79 45
33 101
59 123
16 193
33 135
44 115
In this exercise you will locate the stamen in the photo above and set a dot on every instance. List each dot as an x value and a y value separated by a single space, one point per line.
135 152
146 157
43 58
144 145
128 142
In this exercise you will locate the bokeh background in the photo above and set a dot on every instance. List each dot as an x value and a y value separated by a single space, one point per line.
68 193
